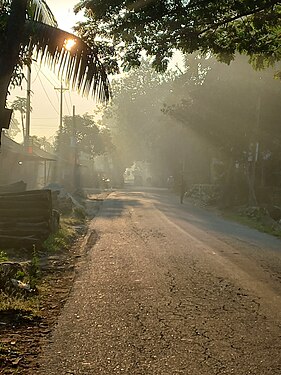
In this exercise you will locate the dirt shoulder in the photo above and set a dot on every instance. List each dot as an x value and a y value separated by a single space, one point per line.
23 331
26 327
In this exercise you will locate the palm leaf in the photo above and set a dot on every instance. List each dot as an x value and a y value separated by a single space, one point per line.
80 67
38 10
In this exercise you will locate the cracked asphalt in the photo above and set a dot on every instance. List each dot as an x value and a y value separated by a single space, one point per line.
169 289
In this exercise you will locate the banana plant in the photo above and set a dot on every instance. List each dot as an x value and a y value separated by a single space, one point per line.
28 28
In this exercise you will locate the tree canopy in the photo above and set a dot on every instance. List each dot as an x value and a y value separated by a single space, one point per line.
212 120
86 135
158 27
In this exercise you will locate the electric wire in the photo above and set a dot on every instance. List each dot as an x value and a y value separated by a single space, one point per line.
38 68
67 106
47 95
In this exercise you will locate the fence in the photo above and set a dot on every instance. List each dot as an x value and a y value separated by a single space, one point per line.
26 218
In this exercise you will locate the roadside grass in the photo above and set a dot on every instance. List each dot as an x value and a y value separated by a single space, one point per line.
27 308
24 309
79 215
253 223
61 240
3 256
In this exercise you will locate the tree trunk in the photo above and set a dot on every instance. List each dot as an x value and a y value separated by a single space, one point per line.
227 193
251 174
9 54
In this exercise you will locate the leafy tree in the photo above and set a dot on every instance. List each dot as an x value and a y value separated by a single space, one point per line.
29 26
84 135
141 131
19 104
135 111
43 143
235 109
14 128
158 27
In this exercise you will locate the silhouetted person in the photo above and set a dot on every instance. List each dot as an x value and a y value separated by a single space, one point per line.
182 189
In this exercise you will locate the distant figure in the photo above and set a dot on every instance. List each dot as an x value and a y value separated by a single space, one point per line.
182 190
170 182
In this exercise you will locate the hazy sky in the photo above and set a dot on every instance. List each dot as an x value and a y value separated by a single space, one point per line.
63 11
45 99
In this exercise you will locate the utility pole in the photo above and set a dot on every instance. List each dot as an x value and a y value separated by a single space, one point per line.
26 140
28 110
76 179
58 168
62 90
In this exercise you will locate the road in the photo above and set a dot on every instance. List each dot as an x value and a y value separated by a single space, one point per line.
170 289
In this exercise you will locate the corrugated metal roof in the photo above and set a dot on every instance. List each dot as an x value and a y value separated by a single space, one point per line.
32 154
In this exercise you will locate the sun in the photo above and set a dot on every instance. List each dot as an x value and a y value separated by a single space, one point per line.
69 44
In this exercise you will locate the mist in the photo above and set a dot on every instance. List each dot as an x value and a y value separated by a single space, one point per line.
206 123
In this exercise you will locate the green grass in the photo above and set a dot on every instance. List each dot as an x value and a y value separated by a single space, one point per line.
3 256
27 307
62 239
251 223
80 214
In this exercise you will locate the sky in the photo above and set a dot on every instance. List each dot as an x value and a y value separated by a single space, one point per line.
45 100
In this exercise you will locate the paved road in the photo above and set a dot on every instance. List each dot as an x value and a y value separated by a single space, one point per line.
170 289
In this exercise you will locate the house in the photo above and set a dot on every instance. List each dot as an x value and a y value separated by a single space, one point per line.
31 165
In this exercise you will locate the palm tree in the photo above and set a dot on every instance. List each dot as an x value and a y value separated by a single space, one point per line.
28 26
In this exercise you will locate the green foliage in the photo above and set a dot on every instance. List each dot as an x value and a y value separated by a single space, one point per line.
3 256
248 103
29 26
42 143
252 222
20 275
83 136
14 128
34 271
210 112
80 214
134 115
28 308
160 27
60 240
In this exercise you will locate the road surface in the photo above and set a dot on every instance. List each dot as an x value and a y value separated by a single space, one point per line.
170 289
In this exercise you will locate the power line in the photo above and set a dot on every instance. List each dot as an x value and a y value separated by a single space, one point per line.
37 73
48 96
47 78
70 99
44 118
66 103
44 126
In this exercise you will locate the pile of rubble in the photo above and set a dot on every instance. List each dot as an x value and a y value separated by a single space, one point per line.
63 201
206 194
12 275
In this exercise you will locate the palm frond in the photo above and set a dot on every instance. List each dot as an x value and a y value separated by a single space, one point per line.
38 10
80 67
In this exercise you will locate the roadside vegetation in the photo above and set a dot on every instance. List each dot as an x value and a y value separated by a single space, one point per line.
262 223
25 267
34 284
